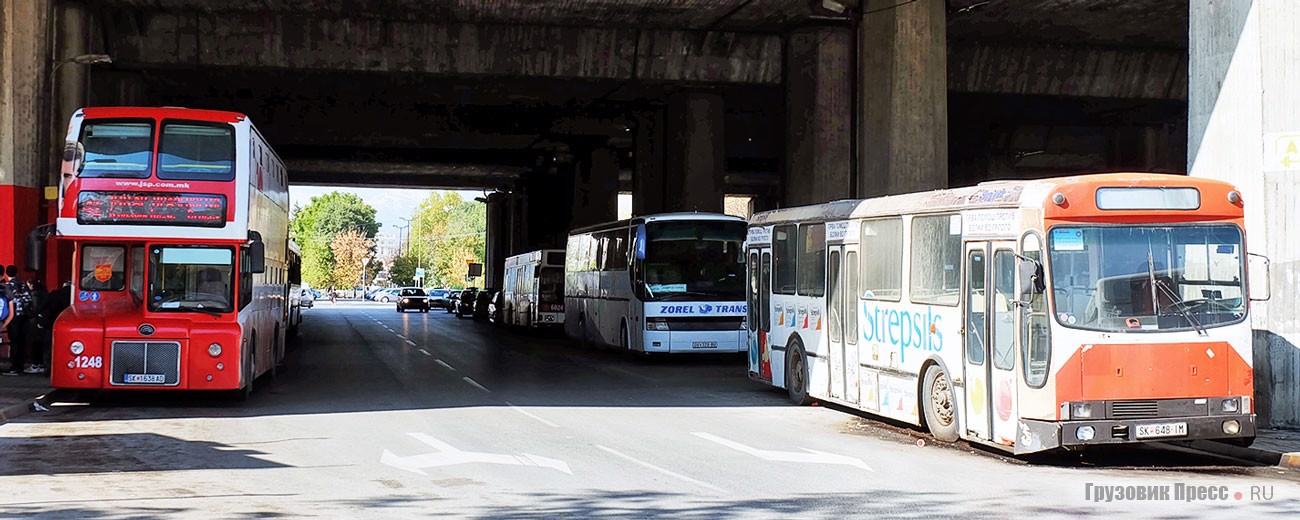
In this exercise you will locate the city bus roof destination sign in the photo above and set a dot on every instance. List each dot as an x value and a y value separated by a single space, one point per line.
173 209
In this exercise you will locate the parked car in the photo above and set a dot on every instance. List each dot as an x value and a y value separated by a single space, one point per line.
438 298
386 295
465 306
370 295
483 303
306 300
453 301
412 298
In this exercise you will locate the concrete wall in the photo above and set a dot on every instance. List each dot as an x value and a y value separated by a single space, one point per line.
819 120
24 47
1244 71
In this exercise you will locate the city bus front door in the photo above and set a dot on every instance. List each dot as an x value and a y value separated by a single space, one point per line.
835 318
975 332
1002 344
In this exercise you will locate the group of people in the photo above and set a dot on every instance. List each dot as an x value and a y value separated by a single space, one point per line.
27 313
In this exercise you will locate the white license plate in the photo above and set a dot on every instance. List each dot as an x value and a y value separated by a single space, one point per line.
704 344
1147 431
144 378
548 318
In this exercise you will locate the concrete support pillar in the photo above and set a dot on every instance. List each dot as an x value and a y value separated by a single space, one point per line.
648 186
819 108
595 187
69 89
903 85
498 239
1244 128
696 155
24 58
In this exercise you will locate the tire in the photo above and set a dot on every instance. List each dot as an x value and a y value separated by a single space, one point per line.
247 371
277 354
623 338
939 402
384 300
796 374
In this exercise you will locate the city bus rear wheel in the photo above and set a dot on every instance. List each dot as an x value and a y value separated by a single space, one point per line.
796 374
939 405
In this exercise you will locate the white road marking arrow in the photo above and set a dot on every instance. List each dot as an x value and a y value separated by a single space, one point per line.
448 455
812 457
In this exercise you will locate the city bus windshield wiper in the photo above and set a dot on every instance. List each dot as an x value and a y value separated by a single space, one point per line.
1178 304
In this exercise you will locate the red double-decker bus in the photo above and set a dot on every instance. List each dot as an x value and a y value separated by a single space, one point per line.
179 221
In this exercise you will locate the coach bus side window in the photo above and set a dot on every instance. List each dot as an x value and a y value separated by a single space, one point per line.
936 259
882 249
197 151
103 268
1036 349
812 260
783 259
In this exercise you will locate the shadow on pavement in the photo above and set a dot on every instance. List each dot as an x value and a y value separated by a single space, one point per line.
120 453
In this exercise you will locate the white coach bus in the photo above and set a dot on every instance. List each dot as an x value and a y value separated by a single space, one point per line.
1026 315
533 295
664 283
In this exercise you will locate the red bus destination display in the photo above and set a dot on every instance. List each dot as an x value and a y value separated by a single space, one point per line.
172 209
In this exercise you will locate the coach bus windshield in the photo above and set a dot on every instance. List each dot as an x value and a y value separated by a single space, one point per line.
196 151
1144 278
693 260
185 278
117 149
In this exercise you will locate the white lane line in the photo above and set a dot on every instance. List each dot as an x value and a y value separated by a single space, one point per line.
425 352
399 335
811 456
411 343
526 412
661 470
444 364
475 384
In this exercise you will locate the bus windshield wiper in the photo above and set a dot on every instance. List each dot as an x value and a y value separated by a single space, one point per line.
1177 303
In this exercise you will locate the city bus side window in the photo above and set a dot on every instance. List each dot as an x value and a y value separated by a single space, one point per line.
783 259
851 296
1003 333
882 248
975 300
812 260
936 260
1035 344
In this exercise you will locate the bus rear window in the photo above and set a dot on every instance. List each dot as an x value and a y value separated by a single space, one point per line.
117 149
196 151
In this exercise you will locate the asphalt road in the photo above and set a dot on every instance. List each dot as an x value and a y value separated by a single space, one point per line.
387 415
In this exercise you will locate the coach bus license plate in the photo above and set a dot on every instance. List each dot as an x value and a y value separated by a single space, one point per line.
704 344
1146 431
145 378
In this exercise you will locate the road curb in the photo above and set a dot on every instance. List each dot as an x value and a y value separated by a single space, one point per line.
1266 457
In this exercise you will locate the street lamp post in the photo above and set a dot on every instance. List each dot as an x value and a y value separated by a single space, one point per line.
84 59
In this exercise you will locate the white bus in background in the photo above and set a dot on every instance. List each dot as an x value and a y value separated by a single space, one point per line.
663 283
533 293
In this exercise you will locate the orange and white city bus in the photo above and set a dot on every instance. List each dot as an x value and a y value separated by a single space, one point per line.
179 220
1024 315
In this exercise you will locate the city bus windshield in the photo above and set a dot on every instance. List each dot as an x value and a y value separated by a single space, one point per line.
694 260
1145 278
187 279
117 149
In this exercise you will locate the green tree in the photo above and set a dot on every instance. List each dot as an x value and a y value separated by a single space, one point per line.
402 272
446 232
315 225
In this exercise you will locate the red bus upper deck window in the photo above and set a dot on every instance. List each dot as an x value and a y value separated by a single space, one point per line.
117 148
196 151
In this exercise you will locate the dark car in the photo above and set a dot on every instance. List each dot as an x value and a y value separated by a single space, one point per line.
439 298
412 298
465 305
483 303
453 301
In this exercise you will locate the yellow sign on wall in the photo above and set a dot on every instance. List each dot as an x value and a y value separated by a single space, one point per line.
1282 151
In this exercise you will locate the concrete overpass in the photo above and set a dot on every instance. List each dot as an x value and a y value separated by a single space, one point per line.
559 105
